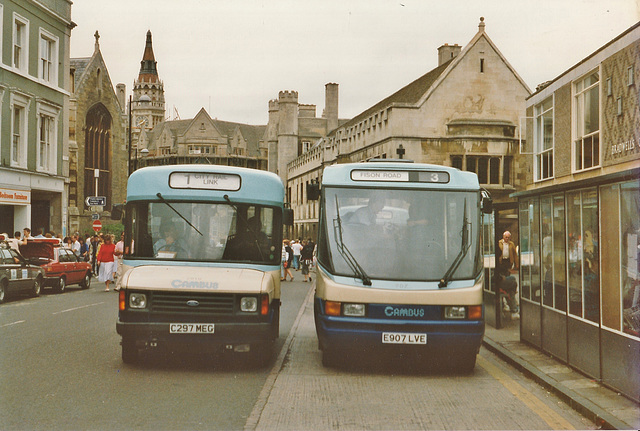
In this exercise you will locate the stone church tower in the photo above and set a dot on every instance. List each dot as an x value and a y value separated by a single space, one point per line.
148 105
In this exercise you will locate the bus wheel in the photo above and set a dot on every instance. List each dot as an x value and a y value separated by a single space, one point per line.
129 351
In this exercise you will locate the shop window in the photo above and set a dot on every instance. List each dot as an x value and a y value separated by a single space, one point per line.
584 264
587 115
559 254
529 250
621 280
543 140
547 252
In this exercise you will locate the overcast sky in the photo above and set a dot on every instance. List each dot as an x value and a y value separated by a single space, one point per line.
232 56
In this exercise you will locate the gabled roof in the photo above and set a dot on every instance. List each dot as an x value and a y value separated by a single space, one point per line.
456 60
227 129
409 94
85 64
417 92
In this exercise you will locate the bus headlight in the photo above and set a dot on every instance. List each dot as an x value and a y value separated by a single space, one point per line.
249 304
137 300
353 310
455 312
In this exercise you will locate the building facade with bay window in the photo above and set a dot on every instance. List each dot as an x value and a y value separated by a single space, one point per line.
579 217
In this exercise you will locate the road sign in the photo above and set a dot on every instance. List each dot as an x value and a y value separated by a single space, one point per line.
97 225
95 216
96 201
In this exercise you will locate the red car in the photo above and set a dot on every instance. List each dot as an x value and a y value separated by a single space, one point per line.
61 266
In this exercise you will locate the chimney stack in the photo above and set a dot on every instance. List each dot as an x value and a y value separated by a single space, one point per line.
446 52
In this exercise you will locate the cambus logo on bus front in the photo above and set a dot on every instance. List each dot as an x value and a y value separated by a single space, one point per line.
403 312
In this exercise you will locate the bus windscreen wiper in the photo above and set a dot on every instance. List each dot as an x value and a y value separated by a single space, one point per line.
464 249
344 251
176 211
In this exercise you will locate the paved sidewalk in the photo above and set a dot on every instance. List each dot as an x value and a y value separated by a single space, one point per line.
603 406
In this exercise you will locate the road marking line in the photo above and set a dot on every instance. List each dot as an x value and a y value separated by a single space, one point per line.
14 323
263 398
77 308
553 419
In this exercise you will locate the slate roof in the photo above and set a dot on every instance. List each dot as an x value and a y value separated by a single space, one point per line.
409 94
80 64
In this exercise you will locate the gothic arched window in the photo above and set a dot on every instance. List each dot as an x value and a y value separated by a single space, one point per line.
98 151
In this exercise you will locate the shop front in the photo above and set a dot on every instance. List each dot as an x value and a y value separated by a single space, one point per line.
579 276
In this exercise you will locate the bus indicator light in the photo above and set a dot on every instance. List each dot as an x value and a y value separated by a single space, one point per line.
332 308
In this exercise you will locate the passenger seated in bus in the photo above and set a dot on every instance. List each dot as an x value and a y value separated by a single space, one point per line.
367 214
170 246
249 243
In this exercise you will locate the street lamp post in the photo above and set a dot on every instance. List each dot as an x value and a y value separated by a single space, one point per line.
130 144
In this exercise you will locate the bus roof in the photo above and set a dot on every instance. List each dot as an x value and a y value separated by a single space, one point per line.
399 175
187 182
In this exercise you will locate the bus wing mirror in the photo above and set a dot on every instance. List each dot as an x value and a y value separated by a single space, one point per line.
288 217
313 191
116 211
486 203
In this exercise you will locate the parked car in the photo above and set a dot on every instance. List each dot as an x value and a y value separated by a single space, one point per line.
61 266
17 275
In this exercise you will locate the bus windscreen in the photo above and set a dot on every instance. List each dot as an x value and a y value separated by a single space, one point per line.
409 235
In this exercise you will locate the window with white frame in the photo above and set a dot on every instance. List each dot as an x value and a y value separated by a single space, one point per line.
543 139
47 141
20 43
19 112
44 144
587 122
47 67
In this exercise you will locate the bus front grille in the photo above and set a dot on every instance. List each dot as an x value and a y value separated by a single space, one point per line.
178 303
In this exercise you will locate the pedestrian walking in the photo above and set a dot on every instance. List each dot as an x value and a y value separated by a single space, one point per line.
286 265
297 249
119 253
106 261
306 259
95 242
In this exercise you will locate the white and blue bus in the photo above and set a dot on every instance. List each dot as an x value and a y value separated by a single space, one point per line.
400 265
202 259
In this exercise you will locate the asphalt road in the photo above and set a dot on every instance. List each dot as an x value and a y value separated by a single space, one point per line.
60 369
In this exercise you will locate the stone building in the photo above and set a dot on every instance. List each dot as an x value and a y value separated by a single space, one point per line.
579 216
464 113
34 104
204 140
97 139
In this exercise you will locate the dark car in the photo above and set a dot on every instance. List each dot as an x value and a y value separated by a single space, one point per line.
61 266
17 275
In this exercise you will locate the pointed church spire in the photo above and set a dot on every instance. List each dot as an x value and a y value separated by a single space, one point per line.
148 71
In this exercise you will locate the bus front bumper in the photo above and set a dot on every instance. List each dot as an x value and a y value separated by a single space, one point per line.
224 335
438 338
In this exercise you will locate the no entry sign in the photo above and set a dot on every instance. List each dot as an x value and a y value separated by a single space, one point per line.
97 225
